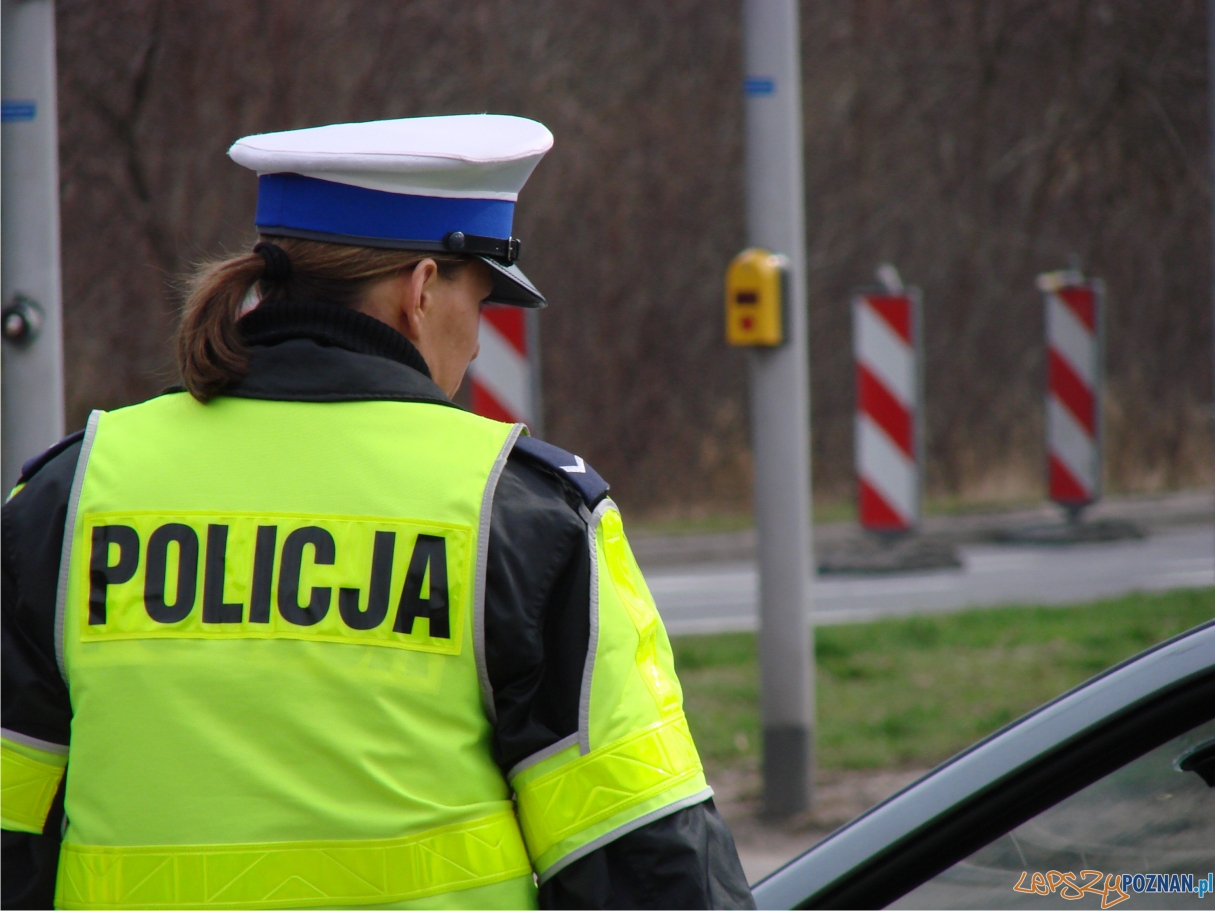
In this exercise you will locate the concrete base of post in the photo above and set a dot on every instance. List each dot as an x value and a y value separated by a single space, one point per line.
788 771
1071 532
876 554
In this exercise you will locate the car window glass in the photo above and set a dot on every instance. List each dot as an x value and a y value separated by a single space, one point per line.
1148 817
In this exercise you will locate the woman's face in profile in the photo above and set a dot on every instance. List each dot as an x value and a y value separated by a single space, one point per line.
440 316
449 327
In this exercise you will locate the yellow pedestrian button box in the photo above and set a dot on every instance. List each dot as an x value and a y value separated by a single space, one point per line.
755 285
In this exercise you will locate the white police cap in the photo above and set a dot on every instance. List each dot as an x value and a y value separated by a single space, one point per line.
422 183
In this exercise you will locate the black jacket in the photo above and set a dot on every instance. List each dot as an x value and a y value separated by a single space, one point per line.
536 616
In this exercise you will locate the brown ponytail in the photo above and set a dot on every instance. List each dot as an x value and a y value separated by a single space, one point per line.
210 352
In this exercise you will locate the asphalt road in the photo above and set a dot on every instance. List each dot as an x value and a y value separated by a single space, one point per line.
721 597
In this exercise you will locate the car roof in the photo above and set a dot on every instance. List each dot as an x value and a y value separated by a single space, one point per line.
988 761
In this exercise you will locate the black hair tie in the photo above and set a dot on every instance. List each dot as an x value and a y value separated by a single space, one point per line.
278 263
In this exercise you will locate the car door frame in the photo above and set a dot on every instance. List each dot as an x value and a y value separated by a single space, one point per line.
1005 779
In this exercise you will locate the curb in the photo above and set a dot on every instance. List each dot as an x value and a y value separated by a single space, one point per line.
1149 512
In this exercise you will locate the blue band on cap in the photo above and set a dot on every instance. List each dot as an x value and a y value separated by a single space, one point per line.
325 207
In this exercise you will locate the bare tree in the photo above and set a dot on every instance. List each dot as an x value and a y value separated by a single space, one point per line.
973 143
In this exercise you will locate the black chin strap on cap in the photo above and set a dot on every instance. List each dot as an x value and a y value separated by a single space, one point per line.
504 249
278 263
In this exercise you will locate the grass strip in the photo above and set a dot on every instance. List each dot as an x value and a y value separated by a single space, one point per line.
912 692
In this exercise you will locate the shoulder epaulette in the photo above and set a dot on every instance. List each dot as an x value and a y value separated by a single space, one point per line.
581 475
34 465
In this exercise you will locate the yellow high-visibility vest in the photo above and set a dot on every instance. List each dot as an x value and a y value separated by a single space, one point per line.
269 625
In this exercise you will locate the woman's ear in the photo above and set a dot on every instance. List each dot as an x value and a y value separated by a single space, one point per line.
416 297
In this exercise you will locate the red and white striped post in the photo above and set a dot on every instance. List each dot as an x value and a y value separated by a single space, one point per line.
1073 387
886 342
506 374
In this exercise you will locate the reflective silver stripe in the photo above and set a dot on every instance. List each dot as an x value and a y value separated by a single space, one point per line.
487 502
26 740
541 755
631 826
69 535
592 645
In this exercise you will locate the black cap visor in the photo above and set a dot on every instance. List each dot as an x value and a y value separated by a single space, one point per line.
511 286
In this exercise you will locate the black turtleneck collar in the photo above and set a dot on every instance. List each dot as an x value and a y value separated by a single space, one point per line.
318 352
329 324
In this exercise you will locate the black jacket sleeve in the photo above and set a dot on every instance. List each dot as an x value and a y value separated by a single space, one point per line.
685 860
35 698
537 629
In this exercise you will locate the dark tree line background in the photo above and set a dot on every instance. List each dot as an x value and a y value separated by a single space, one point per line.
974 143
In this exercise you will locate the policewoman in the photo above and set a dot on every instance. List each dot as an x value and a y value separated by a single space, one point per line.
302 633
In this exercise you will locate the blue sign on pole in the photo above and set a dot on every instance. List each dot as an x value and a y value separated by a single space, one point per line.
16 111
755 86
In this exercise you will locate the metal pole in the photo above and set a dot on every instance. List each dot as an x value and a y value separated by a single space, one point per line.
32 412
780 406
